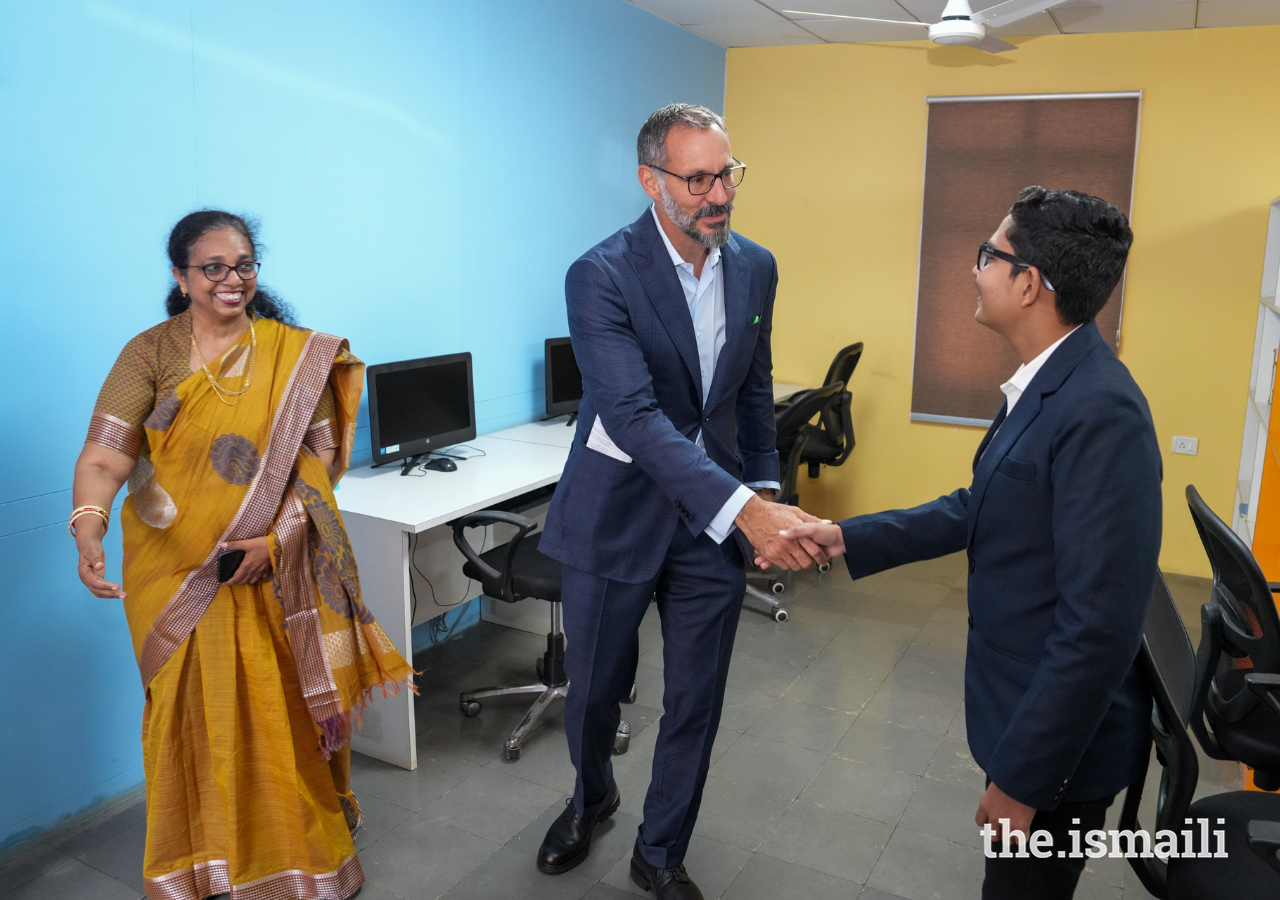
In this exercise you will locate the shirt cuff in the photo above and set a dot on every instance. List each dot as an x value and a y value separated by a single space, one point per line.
722 525
762 485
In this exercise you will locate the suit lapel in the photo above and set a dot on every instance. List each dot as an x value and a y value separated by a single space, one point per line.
1006 430
662 285
736 283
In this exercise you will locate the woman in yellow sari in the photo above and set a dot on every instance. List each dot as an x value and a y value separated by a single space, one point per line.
231 425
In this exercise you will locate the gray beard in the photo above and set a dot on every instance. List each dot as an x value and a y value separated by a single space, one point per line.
688 223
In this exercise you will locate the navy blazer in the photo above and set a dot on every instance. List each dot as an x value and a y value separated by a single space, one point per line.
1062 527
634 342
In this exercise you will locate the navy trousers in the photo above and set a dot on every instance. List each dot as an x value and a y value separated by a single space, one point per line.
699 594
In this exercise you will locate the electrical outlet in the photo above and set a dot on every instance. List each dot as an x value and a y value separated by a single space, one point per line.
1187 445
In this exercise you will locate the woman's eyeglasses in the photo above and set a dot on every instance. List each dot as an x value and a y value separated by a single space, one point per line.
986 253
219 271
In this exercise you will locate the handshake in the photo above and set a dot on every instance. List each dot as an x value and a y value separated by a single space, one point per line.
787 536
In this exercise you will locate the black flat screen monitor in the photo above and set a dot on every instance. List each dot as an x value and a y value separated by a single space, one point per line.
564 381
420 405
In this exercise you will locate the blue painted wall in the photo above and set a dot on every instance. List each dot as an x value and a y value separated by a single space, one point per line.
424 171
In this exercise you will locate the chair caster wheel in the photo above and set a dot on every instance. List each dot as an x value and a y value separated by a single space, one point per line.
824 568
622 740
511 753
470 709
780 615
631 698
777 587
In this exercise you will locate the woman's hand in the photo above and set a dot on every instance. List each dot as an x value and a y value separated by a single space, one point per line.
92 565
256 565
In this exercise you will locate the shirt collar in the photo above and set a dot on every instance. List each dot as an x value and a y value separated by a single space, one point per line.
713 258
1027 371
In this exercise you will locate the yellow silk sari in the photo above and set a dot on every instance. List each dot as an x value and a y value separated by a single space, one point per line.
250 688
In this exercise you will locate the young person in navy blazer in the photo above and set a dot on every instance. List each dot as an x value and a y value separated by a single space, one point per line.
1062 530
672 464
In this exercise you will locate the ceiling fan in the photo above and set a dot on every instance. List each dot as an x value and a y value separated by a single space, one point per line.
960 24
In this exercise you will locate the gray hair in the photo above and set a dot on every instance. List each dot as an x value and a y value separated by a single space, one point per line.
651 145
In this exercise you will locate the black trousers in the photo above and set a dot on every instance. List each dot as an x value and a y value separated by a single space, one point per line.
1051 878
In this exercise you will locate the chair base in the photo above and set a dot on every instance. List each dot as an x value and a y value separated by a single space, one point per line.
776 612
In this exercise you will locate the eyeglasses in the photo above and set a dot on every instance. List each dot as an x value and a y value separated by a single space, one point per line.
986 253
219 271
730 178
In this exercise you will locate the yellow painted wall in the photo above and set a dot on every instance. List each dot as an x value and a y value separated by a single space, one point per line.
834 137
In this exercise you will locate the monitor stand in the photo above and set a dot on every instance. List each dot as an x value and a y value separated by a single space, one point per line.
407 466
573 417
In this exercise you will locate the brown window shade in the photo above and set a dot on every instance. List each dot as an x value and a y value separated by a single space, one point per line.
981 152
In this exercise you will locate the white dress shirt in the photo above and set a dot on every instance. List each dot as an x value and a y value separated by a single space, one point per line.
705 297
1014 387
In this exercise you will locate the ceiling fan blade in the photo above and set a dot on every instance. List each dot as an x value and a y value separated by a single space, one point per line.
993 44
1011 11
813 15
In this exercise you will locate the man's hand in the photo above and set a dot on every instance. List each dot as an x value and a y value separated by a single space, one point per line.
761 522
828 537
766 494
996 805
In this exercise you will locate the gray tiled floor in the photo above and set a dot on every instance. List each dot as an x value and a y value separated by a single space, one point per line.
840 770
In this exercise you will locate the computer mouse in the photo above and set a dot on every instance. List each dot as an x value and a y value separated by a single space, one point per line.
440 464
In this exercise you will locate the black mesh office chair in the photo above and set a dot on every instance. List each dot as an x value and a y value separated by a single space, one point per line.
792 438
511 572
1239 654
831 440
1250 819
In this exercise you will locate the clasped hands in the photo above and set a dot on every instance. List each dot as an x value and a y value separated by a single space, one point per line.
787 536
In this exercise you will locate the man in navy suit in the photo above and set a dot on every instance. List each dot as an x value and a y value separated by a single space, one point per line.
673 462
1062 529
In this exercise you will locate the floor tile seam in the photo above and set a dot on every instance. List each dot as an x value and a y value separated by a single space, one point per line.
38 872
101 871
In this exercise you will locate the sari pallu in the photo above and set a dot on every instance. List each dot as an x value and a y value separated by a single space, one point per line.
250 688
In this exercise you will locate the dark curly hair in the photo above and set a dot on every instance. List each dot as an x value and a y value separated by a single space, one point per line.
1077 241
265 304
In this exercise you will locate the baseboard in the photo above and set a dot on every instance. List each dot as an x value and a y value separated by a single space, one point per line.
109 807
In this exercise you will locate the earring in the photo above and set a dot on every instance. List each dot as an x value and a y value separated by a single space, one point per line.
184 293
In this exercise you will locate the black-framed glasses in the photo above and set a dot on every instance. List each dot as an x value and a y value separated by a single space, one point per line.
986 253
730 178
219 271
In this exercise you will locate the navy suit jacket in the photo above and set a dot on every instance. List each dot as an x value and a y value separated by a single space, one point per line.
1062 528
634 342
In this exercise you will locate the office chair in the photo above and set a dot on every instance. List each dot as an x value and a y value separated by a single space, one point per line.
1250 819
831 440
791 440
511 572
1239 654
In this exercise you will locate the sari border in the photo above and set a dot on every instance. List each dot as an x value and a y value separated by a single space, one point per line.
301 617
114 433
210 878
289 425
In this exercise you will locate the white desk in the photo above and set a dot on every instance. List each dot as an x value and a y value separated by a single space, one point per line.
382 509
553 433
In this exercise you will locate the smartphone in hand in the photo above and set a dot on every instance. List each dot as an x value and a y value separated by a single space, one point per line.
228 562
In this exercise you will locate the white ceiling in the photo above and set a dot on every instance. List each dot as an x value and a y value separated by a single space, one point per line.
760 23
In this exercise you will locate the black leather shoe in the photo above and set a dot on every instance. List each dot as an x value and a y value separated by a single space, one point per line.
666 884
569 838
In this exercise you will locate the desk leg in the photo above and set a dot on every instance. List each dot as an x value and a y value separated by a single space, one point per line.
389 730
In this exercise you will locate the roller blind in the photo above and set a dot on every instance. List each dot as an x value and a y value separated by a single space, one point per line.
981 151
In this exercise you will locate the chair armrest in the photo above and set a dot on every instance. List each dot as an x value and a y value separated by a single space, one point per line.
1266 687
1274 586
1207 656
524 526
1264 840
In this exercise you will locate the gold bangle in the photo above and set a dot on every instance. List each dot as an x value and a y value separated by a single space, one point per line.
88 511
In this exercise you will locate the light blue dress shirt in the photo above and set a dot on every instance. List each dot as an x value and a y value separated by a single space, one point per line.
705 297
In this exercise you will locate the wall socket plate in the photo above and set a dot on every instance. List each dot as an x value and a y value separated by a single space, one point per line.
1187 445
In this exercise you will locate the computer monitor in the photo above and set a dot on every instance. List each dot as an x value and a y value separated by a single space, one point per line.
564 381
420 405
